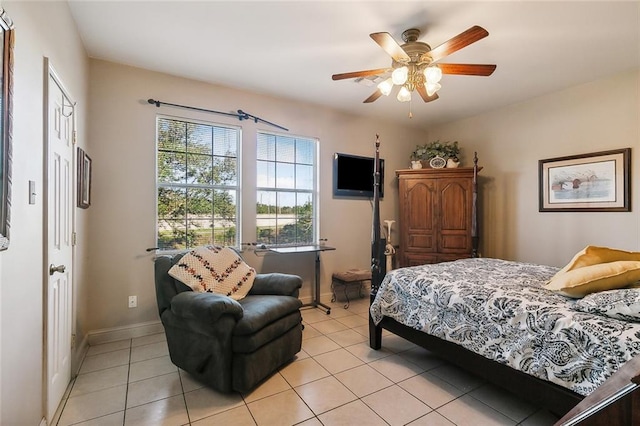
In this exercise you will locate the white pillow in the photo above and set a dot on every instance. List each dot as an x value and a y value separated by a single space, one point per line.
621 304
215 269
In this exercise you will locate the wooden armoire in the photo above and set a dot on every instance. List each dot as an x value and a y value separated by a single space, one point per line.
437 215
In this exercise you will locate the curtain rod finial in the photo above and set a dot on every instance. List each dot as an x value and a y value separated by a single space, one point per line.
151 101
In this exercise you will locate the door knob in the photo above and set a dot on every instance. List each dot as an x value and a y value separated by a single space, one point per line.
53 269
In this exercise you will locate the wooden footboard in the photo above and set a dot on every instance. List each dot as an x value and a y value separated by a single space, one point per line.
615 402
555 398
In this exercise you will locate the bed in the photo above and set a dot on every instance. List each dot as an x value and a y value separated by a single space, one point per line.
494 318
499 310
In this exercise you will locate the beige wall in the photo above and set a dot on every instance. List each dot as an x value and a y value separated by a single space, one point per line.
509 142
122 215
42 30
599 116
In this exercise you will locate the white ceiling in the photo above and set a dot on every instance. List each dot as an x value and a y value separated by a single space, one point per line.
291 49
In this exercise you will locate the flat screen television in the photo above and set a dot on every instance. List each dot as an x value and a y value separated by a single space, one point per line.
353 176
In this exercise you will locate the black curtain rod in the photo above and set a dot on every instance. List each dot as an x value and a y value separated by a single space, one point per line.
240 115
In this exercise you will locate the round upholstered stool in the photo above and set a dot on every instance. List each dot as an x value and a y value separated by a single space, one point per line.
349 279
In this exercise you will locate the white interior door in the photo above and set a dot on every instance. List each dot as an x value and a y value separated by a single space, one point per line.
59 211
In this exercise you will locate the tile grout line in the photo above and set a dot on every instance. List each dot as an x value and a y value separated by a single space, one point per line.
126 392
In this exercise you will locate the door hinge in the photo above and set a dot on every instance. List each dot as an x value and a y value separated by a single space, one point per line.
74 137
73 340
74 238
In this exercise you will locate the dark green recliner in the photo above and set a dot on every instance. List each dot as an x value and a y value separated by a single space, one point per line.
227 344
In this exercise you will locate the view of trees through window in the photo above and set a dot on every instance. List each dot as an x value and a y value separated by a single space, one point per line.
197 184
285 213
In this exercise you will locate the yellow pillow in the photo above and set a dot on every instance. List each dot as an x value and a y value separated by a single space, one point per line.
590 279
593 255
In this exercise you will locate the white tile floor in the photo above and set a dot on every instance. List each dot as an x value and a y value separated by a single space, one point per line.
335 380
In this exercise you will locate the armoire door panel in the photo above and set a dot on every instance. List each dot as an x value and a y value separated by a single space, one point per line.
419 205
412 259
454 196
449 243
421 241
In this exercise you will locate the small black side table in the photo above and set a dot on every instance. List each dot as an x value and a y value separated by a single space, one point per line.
309 249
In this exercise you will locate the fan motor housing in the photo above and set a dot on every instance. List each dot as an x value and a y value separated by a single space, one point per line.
414 48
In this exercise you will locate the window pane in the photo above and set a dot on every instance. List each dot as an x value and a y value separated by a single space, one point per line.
224 205
285 149
225 142
304 205
199 169
305 150
199 232
199 138
266 147
286 204
266 174
171 135
225 171
266 231
224 235
266 204
199 203
172 167
304 177
286 218
284 175
172 235
171 203
304 214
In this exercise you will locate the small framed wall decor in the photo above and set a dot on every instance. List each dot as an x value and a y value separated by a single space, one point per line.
84 179
596 182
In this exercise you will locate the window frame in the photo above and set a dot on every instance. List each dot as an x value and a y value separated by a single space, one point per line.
237 187
314 191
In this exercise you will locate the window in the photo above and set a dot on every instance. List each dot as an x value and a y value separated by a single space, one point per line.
286 190
197 179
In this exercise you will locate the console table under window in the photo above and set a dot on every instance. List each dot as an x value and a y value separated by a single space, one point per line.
309 249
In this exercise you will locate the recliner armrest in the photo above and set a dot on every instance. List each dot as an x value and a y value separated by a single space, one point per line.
205 307
276 284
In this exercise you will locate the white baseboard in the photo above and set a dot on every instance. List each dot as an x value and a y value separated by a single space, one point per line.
107 335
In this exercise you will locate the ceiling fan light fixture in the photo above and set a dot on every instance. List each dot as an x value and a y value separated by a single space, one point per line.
404 95
386 86
399 75
432 88
416 66
432 74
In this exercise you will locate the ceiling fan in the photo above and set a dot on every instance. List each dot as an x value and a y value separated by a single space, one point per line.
416 65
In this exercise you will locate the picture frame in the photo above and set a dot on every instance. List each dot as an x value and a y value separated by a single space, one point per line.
595 182
6 124
84 179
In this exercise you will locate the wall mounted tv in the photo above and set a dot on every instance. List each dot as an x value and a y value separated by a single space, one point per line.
353 176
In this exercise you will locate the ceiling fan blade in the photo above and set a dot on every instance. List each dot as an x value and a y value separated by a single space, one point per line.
374 96
423 93
484 70
390 46
355 74
463 39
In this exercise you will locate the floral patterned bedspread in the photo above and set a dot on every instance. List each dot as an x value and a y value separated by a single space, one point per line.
498 309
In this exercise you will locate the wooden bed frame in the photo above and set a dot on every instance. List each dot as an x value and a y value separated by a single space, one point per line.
555 398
